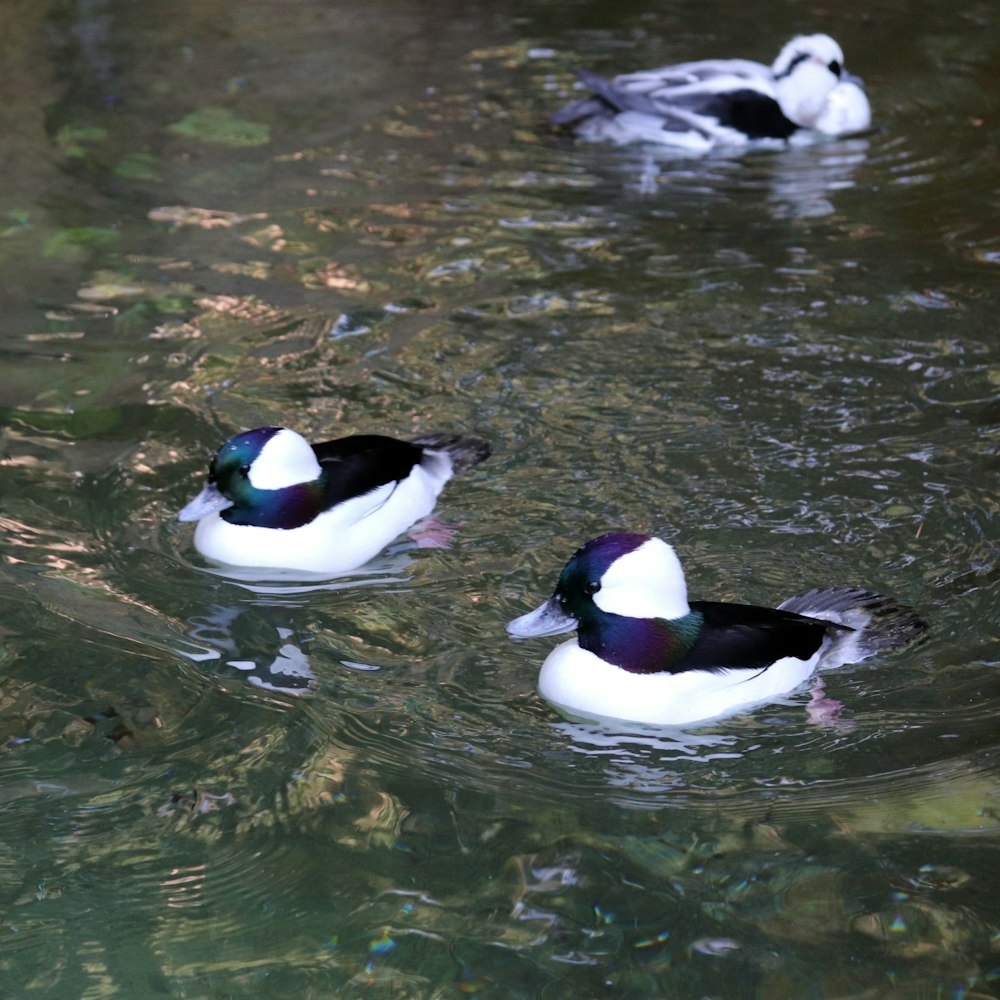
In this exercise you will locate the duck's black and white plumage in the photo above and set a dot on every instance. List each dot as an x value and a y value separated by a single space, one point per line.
698 106
272 500
644 653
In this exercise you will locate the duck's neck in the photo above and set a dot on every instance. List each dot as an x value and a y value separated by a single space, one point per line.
640 645
289 507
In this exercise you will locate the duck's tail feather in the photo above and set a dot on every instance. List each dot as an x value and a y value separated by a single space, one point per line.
879 623
463 451
615 97
605 97
578 111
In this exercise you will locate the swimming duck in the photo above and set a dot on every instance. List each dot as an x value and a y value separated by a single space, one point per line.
272 500
644 653
697 106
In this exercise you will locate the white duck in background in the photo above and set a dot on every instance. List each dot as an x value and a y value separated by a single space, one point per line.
644 653
694 107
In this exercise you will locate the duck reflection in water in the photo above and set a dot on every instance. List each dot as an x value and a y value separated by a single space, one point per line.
803 183
261 632
799 183
284 668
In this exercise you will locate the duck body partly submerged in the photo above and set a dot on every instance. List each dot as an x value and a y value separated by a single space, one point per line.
272 500
695 107
644 654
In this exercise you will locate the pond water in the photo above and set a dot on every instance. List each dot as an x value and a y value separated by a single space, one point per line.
348 217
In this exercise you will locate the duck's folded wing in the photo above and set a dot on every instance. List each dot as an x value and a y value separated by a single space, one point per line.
616 96
731 93
356 465
707 76
747 637
611 98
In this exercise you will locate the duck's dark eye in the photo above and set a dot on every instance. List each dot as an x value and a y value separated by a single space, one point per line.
835 68
592 588
244 471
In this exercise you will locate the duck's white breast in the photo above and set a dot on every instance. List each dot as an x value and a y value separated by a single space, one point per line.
581 684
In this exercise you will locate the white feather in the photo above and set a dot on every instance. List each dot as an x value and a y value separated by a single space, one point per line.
583 685
287 458
645 583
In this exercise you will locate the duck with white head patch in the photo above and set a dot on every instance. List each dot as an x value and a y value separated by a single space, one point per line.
274 501
694 107
645 654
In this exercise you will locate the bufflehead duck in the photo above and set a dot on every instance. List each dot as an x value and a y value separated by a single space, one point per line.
644 654
274 501
697 106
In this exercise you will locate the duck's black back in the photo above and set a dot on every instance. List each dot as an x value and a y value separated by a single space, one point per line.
361 463
751 638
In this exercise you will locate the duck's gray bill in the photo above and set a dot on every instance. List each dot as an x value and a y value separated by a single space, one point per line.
208 501
549 619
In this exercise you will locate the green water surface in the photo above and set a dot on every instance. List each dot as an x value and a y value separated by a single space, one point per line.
350 217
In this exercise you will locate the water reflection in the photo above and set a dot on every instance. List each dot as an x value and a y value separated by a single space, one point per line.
639 761
281 599
800 182
806 180
288 672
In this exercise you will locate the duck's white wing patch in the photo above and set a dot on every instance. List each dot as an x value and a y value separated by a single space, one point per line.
723 84
693 72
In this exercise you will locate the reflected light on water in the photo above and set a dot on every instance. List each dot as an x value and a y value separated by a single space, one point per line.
787 358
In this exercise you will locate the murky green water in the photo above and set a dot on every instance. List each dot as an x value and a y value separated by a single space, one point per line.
345 218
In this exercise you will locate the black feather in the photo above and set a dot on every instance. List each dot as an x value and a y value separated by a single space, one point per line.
754 114
356 465
744 636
